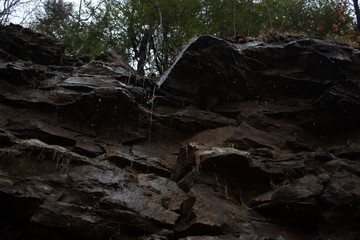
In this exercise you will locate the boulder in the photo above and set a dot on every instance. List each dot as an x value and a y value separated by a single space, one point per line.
41 179
22 43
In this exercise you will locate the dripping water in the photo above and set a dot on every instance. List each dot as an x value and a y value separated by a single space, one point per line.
247 82
151 115
128 80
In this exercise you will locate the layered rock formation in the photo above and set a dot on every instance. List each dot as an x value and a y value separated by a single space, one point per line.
236 141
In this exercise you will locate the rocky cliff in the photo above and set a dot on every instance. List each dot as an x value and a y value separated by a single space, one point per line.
253 140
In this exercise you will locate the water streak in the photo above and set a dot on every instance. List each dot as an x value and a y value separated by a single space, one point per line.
151 115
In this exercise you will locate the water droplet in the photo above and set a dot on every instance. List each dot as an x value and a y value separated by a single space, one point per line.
99 99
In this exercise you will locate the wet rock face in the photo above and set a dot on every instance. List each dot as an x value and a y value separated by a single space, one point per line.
22 43
287 78
236 141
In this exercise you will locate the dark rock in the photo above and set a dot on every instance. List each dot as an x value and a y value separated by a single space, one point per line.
145 165
351 151
53 173
340 206
6 138
342 190
211 214
298 199
238 140
320 156
76 61
27 45
112 57
223 237
68 109
221 75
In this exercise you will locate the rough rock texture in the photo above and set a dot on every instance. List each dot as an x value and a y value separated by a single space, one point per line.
22 43
236 141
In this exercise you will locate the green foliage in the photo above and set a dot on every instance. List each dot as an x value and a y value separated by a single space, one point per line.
55 17
148 33
153 31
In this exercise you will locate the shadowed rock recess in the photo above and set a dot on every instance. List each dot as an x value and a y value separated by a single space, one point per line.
236 141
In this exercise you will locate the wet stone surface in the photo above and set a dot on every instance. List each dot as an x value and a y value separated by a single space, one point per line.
243 141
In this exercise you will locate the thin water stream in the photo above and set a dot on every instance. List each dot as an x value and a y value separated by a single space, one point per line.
151 115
